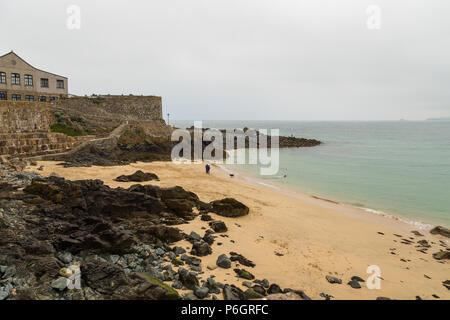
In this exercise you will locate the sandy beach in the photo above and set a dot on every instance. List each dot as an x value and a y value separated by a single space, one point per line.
294 239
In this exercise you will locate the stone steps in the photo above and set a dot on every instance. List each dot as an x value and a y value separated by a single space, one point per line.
25 145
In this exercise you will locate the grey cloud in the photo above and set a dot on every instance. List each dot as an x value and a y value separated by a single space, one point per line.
253 59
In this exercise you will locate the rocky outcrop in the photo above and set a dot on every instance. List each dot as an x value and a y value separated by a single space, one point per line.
229 207
53 222
116 242
138 176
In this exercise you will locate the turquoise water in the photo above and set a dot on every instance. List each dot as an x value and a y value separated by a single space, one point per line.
397 167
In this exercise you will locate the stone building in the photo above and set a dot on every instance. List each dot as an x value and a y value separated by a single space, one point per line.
20 81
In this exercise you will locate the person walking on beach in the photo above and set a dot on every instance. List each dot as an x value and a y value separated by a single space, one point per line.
207 167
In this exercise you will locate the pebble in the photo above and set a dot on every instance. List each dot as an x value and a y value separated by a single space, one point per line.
332 279
201 292
354 284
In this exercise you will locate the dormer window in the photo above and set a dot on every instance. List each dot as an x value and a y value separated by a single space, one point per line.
15 78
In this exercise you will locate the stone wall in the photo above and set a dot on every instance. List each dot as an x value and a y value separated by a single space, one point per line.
25 126
24 145
25 130
132 108
22 117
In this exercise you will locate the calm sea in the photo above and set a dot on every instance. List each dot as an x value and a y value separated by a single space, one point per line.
396 167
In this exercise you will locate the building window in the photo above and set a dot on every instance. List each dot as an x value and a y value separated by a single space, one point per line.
28 80
16 97
3 95
42 99
44 83
29 98
52 98
15 78
60 84
2 77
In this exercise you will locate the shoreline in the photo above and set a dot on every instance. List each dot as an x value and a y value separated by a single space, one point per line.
293 191
296 240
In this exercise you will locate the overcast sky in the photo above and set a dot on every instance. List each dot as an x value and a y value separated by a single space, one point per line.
246 59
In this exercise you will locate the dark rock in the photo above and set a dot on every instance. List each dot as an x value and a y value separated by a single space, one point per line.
300 293
179 250
138 176
442 255
383 298
218 226
201 249
259 289
441 230
181 207
201 292
223 261
103 277
229 207
424 243
190 260
188 279
178 193
163 233
93 197
177 284
209 238
332 279
446 284
241 273
354 284
206 217
264 283
145 287
194 236
241 259
36 247
326 296
177 262
358 279
231 292
213 286
203 207
274 288
251 294
190 296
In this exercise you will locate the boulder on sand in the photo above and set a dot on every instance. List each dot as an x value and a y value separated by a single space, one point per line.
442 255
138 176
229 207
223 261
218 226
441 230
